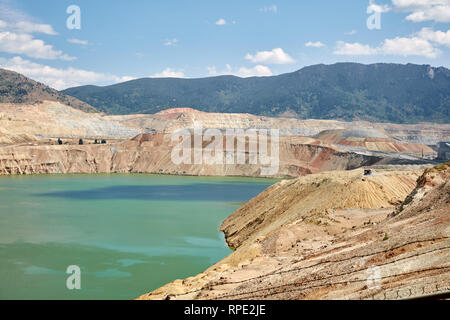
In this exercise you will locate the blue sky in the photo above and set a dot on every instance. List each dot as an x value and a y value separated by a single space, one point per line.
122 40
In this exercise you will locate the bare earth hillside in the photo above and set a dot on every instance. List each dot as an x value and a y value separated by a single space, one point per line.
18 89
152 153
23 123
334 235
184 118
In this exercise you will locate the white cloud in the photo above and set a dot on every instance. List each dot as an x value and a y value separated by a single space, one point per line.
276 56
410 47
17 38
171 42
273 8
212 71
168 73
25 44
256 71
424 10
353 49
78 41
317 44
243 72
351 33
437 13
10 13
18 21
373 7
59 78
402 46
439 37
27 27
121 79
416 3
221 22
17 31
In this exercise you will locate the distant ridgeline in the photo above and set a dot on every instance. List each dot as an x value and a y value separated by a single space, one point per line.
349 91
16 88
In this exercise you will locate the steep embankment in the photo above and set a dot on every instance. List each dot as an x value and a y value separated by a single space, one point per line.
312 197
184 118
21 123
31 132
314 238
152 154
371 139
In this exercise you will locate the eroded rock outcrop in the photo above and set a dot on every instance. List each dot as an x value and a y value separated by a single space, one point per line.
23 123
185 118
316 238
152 153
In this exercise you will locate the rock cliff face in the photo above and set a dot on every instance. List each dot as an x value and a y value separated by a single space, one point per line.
334 236
23 123
374 140
29 132
313 197
49 119
175 119
152 154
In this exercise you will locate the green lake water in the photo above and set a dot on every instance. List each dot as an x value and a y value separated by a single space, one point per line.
129 234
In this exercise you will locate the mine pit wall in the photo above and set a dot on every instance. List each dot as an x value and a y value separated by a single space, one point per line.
276 240
152 154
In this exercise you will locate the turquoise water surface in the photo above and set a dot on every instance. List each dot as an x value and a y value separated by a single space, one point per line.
129 234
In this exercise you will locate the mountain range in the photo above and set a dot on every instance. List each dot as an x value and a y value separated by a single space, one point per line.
348 91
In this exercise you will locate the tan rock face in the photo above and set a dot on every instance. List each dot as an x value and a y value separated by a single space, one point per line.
55 159
28 128
310 199
36 123
184 118
153 154
374 140
21 123
315 238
